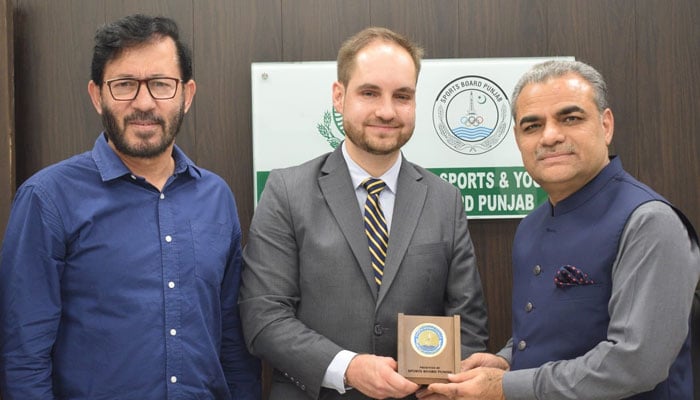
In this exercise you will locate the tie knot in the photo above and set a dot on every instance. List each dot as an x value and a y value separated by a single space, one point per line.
373 186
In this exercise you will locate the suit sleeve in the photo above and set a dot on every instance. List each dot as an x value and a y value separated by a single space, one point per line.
270 294
464 295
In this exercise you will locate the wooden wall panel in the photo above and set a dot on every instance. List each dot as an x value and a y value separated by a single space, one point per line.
229 36
313 30
502 28
53 48
668 55
601 33
7 111
434 24
493 244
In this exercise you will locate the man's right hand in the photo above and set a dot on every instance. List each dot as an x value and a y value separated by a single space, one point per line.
377 378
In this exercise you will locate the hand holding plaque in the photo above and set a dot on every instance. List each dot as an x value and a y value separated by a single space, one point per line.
429 347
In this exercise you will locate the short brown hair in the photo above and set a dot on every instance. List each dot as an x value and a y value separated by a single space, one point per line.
348 51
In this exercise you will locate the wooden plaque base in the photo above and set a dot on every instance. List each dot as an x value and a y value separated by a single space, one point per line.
428 347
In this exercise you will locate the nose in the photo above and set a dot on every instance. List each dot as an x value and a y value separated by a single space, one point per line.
143 100
551 135
386 109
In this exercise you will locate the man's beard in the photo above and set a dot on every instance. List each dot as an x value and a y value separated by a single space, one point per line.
358 137
118 137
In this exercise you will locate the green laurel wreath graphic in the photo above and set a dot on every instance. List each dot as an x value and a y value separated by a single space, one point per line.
324 129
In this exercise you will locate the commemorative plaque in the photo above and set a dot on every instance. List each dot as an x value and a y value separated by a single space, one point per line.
429 347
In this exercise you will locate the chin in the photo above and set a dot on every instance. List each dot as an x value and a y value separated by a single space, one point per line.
383 150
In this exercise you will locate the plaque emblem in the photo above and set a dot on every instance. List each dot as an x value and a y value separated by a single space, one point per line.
428 340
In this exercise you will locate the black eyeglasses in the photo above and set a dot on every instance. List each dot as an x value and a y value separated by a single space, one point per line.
126 89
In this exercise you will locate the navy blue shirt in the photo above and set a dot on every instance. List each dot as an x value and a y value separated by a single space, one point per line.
111 289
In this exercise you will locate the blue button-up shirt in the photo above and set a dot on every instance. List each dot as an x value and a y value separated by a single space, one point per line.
111 289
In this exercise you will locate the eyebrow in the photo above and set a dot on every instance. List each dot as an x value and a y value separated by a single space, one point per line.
370 86
367 86
527 119
139 77
564 111
406 90
570 110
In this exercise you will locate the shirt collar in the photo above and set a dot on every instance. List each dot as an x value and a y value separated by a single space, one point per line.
358 174
610 171
111 166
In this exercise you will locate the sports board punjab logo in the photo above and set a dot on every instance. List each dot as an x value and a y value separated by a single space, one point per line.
471 115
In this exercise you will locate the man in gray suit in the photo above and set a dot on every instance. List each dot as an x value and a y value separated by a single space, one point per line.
316 302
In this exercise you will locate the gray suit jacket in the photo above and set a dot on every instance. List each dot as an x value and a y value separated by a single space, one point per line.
308 290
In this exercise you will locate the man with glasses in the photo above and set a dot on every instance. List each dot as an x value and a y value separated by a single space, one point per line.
120 266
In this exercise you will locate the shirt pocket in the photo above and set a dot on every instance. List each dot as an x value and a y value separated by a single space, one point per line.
212 243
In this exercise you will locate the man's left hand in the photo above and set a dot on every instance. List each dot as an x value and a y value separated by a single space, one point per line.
476 384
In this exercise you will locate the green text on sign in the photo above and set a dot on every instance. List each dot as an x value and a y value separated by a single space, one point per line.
491 192
494 192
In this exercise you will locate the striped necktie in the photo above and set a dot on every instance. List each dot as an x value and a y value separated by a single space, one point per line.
375 227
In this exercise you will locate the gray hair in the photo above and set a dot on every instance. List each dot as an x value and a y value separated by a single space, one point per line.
556 68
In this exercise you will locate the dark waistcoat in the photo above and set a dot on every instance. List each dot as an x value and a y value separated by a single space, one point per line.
552 323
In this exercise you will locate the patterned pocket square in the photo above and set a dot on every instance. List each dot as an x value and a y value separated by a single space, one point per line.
568 275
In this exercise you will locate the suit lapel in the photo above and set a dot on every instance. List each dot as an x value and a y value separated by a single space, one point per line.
410 198
336 187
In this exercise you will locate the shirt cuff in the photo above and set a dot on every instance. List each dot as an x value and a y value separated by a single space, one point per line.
505 354
520 384
335 374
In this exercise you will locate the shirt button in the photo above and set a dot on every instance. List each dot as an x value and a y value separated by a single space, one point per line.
171 284
522 345
537 270
173 332
378 330
162 196
173 379
133 177
528 307
168 238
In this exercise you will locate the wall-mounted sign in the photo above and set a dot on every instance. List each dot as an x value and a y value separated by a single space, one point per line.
463 132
